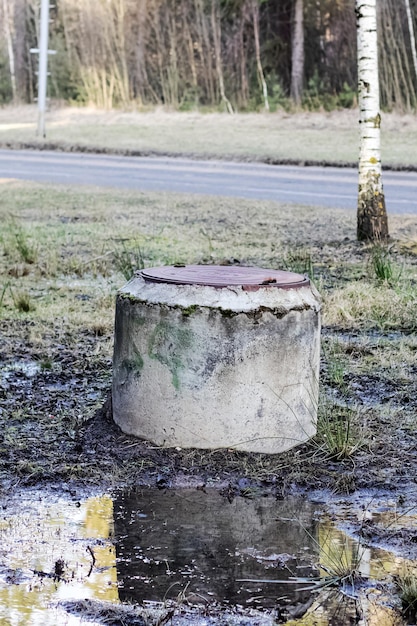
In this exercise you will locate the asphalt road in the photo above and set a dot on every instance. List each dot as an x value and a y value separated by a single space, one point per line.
318 186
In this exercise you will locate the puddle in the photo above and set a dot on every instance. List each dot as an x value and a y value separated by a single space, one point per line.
27 369
24 381
202 542
45 558
384 522
188 546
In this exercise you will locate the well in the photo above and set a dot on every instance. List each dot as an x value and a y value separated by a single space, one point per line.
217 357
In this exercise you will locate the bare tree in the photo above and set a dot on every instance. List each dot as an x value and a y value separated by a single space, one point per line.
397 76
297 53
255 16
8 32
372 221
412 37
200 52
216 32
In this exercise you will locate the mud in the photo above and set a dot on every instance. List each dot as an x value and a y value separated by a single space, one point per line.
58 436
57 426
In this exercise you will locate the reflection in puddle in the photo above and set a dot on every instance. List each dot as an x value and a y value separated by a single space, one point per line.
27 369
45 558
187 545
200 543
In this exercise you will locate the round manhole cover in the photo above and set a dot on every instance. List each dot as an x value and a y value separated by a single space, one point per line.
224 276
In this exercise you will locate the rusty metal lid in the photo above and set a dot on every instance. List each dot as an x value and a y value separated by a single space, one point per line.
250 278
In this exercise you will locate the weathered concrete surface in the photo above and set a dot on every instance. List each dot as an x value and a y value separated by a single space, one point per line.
197 366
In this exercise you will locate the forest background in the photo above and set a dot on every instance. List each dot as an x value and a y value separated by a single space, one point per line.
234 55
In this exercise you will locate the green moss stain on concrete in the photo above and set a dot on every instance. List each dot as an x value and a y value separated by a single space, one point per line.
130 297
131 367
228 313
167 344
137 362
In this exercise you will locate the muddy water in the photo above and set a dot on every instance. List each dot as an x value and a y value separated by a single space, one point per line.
187 545
45 557
211 546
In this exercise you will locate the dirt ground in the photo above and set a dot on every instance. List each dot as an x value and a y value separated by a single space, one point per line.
47 440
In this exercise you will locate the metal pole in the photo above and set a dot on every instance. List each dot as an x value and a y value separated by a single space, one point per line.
43 66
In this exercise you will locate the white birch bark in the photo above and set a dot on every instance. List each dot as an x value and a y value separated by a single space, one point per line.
372 218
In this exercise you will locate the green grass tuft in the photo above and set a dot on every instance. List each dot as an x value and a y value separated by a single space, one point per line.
407 587
27 251
338 431
382 265
128 259
23 302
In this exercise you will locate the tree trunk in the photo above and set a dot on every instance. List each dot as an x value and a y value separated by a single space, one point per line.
372 221
20 41
10 51
255 16
412 37
216 32
297 54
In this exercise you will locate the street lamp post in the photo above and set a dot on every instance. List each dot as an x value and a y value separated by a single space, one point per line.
43 66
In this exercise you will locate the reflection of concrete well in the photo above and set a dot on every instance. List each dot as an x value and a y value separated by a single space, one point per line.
169 541
214 357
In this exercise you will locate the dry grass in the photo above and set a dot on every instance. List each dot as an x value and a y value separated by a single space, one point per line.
331 137
79 236
62 249
367 305
407 586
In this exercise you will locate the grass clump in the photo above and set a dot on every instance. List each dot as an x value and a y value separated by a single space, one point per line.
23 302
407 586
363 305
335 368
17 244
27 251
5 288
382 265
340 558
128 259
299 260
338 432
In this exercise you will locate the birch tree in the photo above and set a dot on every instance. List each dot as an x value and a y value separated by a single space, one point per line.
372 223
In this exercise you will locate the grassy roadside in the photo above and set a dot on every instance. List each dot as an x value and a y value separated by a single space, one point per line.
279 137
64 253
